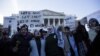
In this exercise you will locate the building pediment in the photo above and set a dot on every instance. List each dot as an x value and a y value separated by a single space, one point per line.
52 13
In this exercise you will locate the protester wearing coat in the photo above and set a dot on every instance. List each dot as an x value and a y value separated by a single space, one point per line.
37 45
94 49
34 48
82 39
20 42
51 46
71 41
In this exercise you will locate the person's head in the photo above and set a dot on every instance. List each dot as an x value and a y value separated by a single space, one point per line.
5 34
37 33
67 29
24 29
60 28
79 23
50 30
93 22
80 27
43 32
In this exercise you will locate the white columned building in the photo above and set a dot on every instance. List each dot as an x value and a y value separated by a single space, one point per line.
52 18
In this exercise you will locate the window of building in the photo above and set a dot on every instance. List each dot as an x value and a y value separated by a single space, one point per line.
56 21
61 21
46 21
51 21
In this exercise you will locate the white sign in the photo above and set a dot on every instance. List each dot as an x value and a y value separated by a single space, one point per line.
37 14
36 22
32 18
70 22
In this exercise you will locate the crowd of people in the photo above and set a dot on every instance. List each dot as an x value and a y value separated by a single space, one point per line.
53 42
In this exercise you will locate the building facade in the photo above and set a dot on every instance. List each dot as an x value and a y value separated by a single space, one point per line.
34 19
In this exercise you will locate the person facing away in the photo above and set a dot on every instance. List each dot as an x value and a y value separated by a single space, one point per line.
20 42
37 44
51 45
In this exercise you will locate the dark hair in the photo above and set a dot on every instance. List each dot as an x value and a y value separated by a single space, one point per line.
66 27
24 26
59 28
79 23
93 20
42 31
5 33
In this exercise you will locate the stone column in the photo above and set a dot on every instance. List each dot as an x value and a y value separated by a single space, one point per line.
53 22
48 22
58 21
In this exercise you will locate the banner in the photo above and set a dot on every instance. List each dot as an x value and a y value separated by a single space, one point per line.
70 22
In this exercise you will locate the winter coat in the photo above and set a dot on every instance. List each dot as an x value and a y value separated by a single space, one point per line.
52 48
34 48
22 43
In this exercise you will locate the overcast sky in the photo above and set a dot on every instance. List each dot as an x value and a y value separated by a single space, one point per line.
80 8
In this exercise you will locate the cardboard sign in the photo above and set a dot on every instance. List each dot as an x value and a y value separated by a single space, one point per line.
70 22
